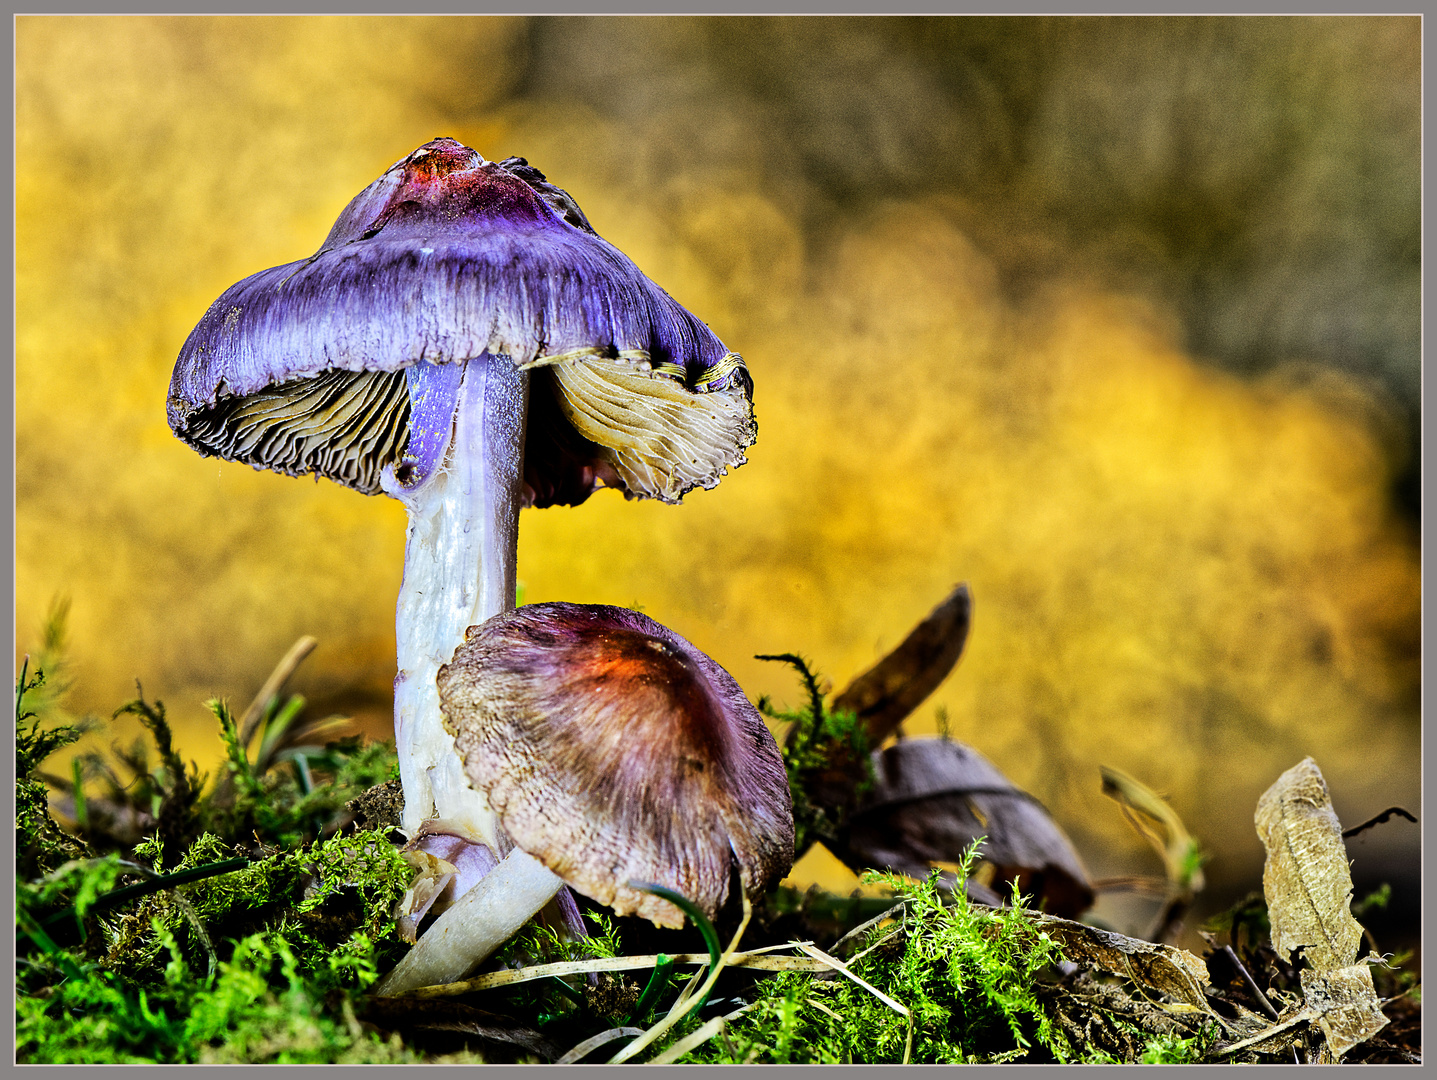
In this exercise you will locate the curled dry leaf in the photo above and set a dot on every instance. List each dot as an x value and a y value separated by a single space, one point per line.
1309 892
932 798
887 692
1163 968
1167 834
1306 880
891 689
1160 825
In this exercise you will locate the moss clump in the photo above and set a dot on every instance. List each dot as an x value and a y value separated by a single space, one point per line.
40 844
965 974
1172 1050
242 926
826 755
293 793
262 1004
285 945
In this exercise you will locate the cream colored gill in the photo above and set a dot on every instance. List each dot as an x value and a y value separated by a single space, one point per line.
662 438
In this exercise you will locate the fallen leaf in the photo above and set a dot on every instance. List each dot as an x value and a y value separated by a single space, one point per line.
1306 879
932 798
1162 968
1349 1011
1308 886
890 690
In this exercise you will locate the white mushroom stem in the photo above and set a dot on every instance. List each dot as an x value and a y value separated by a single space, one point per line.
459 570
475 925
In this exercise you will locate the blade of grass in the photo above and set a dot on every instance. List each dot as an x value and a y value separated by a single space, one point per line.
702 1035
273 686
676 1014
144 888
274 730
650 997
689 908
46 944
859 929
755 960
842 968
660 977
593 1042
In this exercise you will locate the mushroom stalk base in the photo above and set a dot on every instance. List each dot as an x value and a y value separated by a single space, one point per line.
459 570
478 923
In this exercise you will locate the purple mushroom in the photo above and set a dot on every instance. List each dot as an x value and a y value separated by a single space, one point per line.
613 753
466 343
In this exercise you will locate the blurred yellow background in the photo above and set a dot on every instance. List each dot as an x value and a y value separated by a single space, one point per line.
981 352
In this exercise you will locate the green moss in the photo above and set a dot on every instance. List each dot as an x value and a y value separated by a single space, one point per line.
302 790
818 742
966 975
40 844
263 1004
283 992
1171 1050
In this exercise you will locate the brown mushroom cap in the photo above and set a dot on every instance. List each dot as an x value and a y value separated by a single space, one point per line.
614 751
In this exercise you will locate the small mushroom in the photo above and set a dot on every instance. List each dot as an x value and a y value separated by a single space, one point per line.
398 358
613 753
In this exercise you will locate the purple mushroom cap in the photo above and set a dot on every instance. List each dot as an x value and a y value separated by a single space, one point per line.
614 751
446 257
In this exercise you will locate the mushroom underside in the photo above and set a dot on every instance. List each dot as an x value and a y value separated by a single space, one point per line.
595 420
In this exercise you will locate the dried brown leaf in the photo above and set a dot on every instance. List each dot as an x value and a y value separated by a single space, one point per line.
1308 886
932 798
887 692
1347 1004
1306 878
1166 969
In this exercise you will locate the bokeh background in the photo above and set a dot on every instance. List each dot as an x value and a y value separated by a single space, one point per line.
1115 319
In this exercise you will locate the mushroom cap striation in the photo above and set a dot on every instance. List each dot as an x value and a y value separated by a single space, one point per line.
614 751
446 257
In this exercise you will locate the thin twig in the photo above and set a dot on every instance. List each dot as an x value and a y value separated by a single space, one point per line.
1272 1032
1378 820
1256 990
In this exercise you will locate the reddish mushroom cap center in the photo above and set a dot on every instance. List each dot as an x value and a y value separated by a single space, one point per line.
446 179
